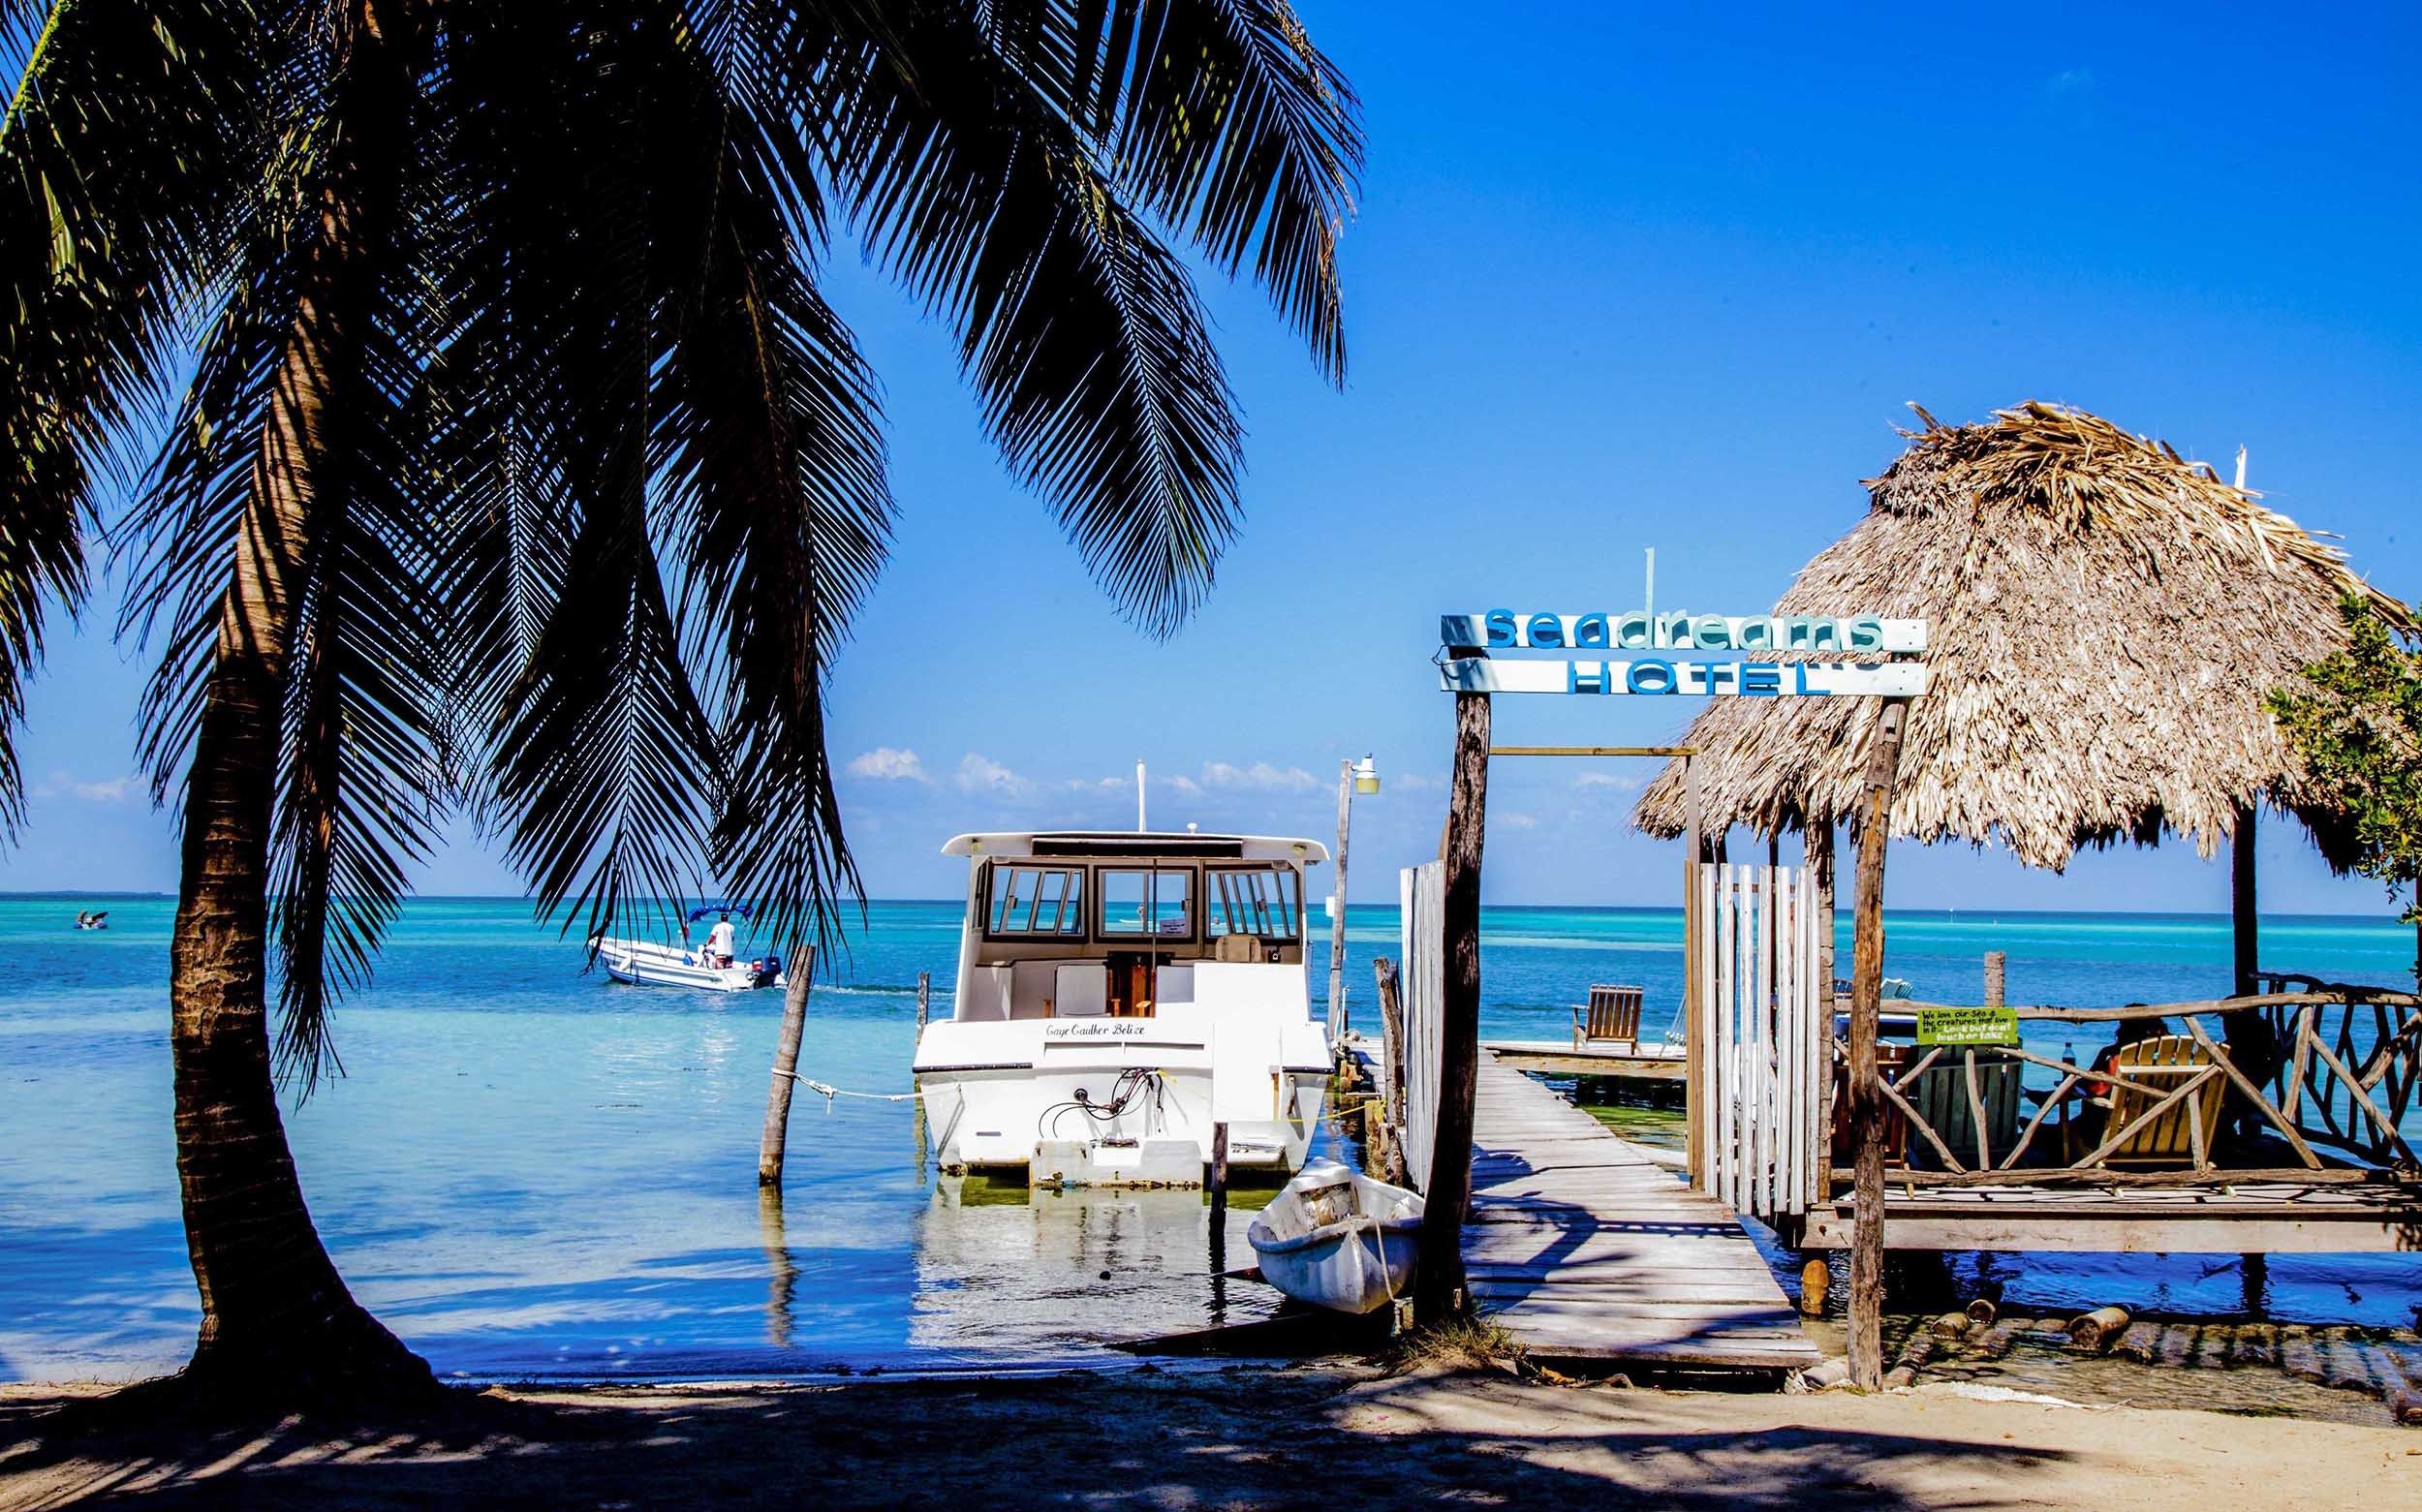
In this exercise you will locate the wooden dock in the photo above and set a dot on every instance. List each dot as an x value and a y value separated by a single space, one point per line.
1585 1249
1557 1057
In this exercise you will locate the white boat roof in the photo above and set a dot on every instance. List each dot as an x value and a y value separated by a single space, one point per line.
1096 844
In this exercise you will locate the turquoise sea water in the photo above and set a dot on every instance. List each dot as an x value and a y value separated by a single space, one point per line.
528 1171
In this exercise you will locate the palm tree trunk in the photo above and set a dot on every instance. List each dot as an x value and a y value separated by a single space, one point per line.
278 1319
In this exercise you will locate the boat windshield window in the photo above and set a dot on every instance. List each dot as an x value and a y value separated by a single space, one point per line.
1264 901
1038 900
1154 901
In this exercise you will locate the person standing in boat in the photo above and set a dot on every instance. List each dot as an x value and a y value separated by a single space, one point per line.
721 941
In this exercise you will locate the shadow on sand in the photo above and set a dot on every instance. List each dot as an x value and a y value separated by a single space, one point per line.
1244 1437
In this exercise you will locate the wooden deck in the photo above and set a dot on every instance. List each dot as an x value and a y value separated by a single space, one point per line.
2120 1218
1584 1247
1557 1057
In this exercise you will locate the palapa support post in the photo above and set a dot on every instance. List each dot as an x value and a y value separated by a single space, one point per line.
1438 1283
1391 1142
2241 903
769 1146
1866 1102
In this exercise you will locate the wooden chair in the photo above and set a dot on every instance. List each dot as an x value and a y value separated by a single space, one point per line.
1613 1014
1939 1095
2184 1129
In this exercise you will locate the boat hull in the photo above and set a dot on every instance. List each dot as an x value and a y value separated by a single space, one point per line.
1122 1102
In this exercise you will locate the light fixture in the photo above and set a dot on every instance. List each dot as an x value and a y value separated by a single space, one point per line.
1366 776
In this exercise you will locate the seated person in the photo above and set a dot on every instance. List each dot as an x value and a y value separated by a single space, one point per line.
2093 1092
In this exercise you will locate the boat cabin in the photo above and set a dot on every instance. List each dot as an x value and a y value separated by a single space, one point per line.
1114 925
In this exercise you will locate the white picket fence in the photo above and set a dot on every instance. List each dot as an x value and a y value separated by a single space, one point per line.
1422 987
1765 1028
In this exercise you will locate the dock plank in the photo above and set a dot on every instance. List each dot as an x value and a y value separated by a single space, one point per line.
1584 1247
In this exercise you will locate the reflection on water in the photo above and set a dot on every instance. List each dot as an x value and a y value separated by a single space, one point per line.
1004 1270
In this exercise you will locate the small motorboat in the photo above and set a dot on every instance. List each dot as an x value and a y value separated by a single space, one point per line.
1339 1240
643 963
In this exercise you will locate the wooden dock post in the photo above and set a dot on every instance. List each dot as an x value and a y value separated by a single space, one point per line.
769 1146
1439 1283
1391 1141
1997 978
1695 1149
1865 1099
1337 920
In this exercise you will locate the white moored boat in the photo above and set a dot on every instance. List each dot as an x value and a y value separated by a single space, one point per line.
643 963
1118 996
1339 1240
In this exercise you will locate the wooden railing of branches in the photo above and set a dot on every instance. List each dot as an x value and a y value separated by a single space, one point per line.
2348 1072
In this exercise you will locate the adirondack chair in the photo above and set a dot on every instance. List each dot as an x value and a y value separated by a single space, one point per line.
1939 1095
2187 1126
1612 1014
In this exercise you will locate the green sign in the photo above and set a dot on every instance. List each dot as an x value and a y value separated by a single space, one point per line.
1968 1025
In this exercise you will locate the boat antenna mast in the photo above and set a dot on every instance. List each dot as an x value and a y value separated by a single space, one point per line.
1139 795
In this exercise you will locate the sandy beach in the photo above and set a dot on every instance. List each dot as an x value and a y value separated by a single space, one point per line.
1237 1437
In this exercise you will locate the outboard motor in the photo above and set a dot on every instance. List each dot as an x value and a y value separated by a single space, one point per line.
765 969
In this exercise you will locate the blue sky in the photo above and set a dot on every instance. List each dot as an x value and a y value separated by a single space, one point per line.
1623 277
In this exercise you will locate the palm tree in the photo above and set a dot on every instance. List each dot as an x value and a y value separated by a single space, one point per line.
489 446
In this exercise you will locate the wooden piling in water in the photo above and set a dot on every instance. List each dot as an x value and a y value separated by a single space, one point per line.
769 1145
916 1115
1389 1148
1997 978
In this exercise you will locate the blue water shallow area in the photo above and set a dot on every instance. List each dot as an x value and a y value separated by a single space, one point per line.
530 1172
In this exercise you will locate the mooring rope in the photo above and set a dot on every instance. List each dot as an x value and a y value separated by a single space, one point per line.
831 1092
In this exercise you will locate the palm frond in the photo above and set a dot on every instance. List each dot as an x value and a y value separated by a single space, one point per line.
767 453
1220 115
130 127
1079 329
600 747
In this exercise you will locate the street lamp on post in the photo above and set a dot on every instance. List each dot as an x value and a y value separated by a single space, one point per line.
1353 776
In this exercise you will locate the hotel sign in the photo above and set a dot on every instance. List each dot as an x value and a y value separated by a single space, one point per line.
1678 630
1743 672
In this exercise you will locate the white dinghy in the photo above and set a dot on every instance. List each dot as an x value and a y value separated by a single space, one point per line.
1339 1240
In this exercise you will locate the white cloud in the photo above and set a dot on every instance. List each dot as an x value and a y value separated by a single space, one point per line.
1517 821
1413 781
2069 82
982 774
1183 784
891 766
1260 775
113 790
1610 782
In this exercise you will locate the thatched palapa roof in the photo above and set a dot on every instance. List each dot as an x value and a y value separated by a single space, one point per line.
2105 621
